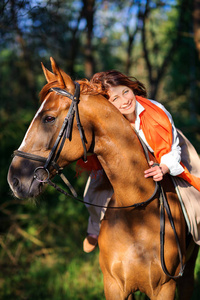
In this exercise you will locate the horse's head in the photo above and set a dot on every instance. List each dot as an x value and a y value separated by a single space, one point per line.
35 160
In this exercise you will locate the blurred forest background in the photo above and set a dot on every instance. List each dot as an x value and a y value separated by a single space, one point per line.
156 41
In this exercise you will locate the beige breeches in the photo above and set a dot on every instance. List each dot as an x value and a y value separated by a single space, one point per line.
98 191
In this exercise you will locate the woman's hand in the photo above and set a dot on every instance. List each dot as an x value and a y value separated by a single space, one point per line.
156 172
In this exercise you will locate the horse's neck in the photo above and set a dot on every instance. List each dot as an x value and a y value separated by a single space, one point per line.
121 156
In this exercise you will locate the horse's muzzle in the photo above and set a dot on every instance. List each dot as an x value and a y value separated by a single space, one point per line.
22 181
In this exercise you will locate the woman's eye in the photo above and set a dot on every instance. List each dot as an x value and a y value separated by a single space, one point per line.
49 119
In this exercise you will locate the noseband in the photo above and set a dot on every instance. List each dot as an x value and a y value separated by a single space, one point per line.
65 133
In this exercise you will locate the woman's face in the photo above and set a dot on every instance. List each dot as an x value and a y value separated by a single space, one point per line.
123 98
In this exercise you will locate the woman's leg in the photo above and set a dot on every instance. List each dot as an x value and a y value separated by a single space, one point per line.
98 191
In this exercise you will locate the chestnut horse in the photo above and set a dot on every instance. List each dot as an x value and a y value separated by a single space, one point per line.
129 239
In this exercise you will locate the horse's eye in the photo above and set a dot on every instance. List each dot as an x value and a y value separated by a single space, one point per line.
49 119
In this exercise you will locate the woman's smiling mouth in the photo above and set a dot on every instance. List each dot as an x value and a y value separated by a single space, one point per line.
127 106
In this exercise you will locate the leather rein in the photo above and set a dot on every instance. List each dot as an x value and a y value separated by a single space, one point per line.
51 161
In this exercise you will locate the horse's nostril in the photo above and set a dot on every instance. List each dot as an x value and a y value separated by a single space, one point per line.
15 182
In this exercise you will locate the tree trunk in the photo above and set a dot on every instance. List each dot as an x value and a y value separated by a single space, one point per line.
25 55
88 13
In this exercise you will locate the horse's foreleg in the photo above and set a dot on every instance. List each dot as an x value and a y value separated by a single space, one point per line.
113 290
167 291
131 297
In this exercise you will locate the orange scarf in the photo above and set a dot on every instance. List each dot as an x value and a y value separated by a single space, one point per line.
158 132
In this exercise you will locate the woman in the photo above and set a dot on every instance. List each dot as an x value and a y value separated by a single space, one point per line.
154 124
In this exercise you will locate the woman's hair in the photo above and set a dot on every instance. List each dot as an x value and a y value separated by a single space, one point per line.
113 78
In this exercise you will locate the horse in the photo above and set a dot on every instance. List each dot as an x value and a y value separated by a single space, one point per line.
129 240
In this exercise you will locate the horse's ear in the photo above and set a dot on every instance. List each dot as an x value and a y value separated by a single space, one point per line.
63 79
69 84
48 75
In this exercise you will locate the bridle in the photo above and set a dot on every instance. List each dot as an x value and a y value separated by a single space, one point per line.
65 133
51 161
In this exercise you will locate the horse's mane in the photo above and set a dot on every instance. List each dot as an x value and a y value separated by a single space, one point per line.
86 87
